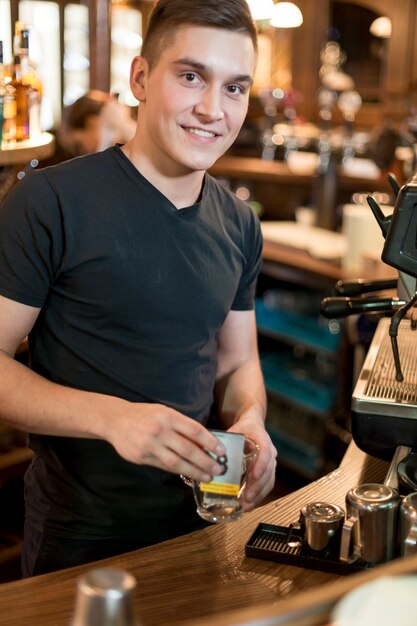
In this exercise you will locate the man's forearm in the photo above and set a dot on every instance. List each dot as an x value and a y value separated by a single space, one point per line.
31 403
146 434
241 394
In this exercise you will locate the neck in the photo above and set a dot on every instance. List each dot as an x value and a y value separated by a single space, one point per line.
182 188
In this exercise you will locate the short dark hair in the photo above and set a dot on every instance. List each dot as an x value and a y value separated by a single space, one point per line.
169 15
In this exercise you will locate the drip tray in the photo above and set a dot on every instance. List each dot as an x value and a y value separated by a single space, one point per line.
284 544
377 391
384 410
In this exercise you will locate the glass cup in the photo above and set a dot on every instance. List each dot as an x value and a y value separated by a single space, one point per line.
221 500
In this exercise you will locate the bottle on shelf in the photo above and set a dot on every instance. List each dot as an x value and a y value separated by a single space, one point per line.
18 27
21 106
31 78
7 105
23 100
2 91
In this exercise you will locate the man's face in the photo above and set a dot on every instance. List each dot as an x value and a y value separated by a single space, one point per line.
194 99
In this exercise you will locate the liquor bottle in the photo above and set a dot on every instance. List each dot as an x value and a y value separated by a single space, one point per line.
7 105
23 99
18 27
31 78
2 91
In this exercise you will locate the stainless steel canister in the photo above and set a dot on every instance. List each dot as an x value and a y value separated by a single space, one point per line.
321 524
104 598
369 531
408 525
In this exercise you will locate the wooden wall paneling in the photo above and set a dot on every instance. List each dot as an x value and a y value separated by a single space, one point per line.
401 67
308 39
413 69
145 7
399 57
14 14
100 43
61 50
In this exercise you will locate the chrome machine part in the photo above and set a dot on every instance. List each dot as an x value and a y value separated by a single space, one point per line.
384 410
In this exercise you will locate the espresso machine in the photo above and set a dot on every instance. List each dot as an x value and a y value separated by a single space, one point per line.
380 521
384 400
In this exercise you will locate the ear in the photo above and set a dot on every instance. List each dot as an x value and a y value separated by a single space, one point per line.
139 71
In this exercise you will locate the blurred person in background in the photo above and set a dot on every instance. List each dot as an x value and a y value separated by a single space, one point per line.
94 122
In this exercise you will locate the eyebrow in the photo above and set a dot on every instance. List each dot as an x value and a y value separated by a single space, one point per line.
200 67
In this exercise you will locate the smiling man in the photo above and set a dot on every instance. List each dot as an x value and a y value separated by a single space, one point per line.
193 103
133 272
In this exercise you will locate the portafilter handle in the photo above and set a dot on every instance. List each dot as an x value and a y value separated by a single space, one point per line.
359 286
336 307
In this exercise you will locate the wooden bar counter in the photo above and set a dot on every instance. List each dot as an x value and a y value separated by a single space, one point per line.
280 191
205 578
20 152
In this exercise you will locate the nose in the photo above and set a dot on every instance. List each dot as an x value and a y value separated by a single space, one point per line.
209 107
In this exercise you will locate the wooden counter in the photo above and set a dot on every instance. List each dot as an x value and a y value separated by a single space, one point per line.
204 578
288 263
22 156
23 151
281 191
291 260
239 168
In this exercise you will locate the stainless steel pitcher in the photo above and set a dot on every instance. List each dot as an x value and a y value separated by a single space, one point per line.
369 532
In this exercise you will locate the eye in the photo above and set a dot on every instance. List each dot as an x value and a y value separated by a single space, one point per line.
190 77
236 90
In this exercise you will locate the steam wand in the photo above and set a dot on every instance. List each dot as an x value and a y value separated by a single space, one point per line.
393 333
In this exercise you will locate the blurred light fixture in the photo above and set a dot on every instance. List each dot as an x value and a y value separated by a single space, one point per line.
75 62
381 27
338 81
126 38
261 9
286 15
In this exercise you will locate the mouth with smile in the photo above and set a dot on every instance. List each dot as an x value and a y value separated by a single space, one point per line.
200 132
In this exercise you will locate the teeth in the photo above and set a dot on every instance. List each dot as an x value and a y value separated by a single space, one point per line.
201 133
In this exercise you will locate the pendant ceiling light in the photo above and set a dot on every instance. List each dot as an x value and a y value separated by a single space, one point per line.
261 9
381 27
286 15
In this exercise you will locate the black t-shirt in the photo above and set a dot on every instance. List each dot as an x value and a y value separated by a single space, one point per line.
132 293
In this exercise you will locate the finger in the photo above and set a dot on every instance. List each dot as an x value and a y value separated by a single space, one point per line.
266 468
266 460
200 435
180 454
250 504
258 489
170 461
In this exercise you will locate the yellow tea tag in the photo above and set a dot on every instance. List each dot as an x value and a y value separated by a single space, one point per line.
224 489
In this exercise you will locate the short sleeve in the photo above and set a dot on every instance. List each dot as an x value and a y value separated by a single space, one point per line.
30 240
245 295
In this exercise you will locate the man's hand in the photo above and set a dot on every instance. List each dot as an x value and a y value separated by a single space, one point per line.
156 435
261 476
